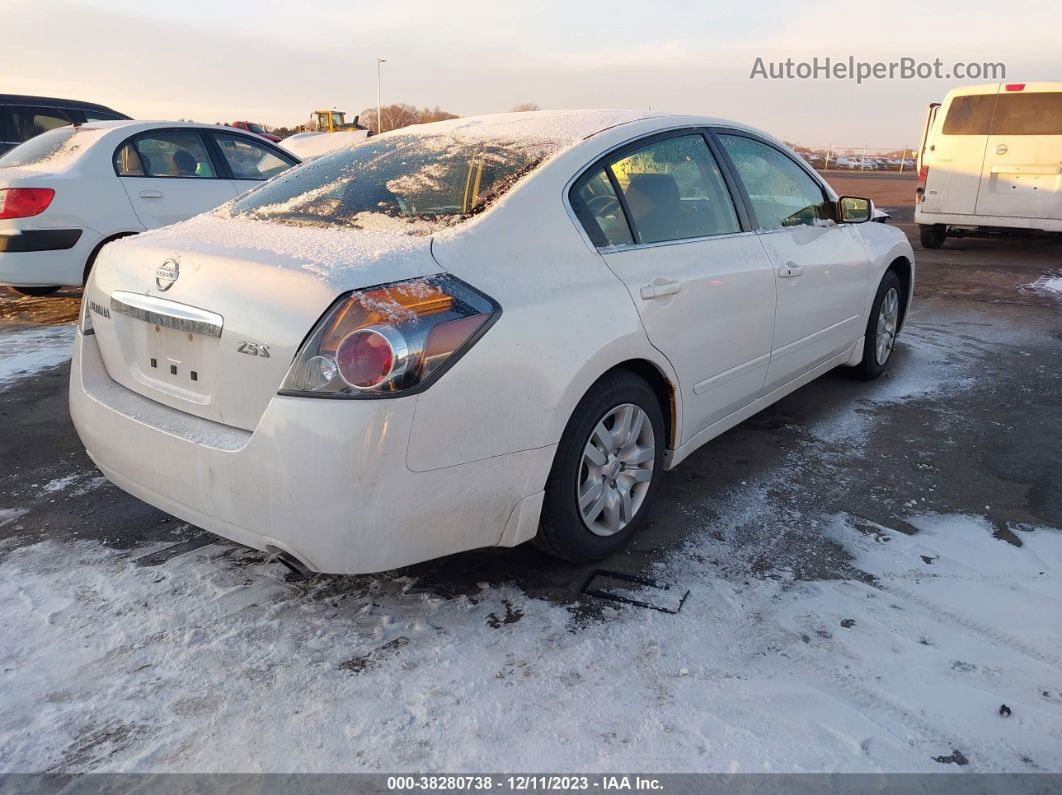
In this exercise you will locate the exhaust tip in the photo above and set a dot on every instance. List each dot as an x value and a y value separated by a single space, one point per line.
291 563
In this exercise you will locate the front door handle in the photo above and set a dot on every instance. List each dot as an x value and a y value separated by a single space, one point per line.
659 288
789 271
150 194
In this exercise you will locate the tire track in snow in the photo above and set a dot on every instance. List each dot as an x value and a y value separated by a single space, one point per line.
873 702
943 615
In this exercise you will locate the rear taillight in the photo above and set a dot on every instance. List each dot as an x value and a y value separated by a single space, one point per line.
1015 86
24 202
390 340
920 188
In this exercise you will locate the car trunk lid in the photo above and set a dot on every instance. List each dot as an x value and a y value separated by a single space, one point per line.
206 316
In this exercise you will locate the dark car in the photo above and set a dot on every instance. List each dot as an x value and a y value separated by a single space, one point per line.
23 117
257 129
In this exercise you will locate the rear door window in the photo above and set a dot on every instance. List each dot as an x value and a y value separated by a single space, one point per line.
127 162
250 159
601 213
29 121
673 190
173 153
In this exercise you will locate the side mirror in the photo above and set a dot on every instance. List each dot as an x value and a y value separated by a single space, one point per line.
854 210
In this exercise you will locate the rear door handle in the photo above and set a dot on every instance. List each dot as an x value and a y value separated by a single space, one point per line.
659 288
789 270
150 194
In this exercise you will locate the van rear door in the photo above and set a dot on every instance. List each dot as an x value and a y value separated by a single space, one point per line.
956 150
1022 172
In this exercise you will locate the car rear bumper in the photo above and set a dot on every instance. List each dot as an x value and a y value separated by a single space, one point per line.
987 221
323 480
40 257
41 240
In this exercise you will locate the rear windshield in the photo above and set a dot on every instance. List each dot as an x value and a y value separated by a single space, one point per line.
414 184
1009 113
51 149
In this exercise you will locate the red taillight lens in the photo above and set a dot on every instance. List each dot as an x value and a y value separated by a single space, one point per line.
24 202
366 358
390 340
923 172
1015 86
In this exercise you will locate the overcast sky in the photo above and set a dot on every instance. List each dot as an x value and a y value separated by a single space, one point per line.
276 60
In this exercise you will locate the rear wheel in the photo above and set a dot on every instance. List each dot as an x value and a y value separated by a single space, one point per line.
37 290
932 235
882 328
605 472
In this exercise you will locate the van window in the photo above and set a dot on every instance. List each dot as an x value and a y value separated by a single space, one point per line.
1028 114
1010 113
970 115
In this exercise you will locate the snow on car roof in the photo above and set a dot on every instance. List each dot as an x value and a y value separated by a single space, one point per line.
561 126
52 151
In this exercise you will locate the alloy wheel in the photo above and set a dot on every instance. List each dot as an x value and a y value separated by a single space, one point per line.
888 318
616 469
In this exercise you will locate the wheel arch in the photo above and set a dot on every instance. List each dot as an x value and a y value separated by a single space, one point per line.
904 270
663 384
665 390
95 252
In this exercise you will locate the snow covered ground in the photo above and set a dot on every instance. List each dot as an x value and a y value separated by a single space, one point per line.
210 660
1048 284
811 640
28 351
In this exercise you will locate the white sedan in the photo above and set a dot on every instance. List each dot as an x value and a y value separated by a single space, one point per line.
67 192
475 333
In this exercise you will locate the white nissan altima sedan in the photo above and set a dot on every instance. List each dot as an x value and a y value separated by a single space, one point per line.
475 333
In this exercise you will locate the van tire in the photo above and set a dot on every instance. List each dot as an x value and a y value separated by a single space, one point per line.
932 235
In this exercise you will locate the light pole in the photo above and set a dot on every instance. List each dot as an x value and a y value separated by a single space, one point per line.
379 104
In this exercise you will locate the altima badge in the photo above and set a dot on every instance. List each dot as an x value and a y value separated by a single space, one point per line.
167 274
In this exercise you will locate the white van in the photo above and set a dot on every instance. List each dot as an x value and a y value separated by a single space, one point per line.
991 160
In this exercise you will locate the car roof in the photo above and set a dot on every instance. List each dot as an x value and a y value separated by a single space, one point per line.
28 99
561 126
131 126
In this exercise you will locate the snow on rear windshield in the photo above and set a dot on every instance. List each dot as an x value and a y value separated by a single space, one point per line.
51 149
407 183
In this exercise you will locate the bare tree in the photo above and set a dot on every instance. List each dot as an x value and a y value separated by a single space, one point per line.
523 108
402 115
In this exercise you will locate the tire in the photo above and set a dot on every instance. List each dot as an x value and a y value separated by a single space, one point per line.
619 397
932 235
37 291
890 295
